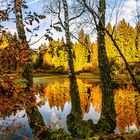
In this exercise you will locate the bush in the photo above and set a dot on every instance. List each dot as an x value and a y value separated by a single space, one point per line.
88 69
60 70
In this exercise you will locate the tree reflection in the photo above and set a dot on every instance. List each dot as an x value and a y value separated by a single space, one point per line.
57 94
90 94
12 103
125 108
96 97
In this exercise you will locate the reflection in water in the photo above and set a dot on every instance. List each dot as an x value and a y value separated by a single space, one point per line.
125 108
96 98
56 120
15 127
91 101
58 105
13 118
58 95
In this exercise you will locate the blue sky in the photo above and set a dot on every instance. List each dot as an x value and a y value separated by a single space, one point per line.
126 10
34 6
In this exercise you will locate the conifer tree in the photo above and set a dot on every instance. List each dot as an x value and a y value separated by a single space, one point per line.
111 50
125 37
83 51
137 39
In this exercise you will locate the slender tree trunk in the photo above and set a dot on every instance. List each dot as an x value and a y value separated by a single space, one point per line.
75 99
108 108
27 67
19 22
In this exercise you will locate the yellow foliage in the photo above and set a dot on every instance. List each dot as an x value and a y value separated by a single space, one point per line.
4 42
125 108
57 94
34 58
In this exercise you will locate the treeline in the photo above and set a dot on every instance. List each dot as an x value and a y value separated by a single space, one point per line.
53 57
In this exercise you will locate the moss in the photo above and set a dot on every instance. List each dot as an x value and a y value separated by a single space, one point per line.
59 134
79 128
28 73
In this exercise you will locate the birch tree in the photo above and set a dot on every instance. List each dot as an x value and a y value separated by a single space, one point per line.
62 13
27 66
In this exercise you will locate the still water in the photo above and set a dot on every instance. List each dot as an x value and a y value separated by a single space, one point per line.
56 105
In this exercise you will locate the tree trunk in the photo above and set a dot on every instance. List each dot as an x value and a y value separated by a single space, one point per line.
75 99
108 109
26 66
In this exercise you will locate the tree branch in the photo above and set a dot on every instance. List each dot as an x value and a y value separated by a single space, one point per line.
77 15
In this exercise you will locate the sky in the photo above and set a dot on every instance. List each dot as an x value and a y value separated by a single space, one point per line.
126 10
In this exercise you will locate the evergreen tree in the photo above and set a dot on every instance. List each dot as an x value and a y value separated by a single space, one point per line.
83 51
38 61
111 50
137 39
82 36
125 37
55 54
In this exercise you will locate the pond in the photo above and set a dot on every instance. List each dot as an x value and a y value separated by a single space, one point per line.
55 105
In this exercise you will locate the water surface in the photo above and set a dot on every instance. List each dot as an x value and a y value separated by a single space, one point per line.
56 105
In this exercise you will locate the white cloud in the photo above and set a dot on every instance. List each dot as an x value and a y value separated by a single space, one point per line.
125 9
129 9
33 2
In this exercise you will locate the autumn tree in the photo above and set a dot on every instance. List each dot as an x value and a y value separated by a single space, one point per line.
124 35
3 41
137 39
16 6
108 109
111 51
125 38
83 52
27 67
63 20
56 55
73 83
8 55
96 16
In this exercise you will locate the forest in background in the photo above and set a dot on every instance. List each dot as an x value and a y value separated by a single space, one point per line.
53 57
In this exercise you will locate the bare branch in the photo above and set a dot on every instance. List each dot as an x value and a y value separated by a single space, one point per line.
84 3
59 15
77 15
37 40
